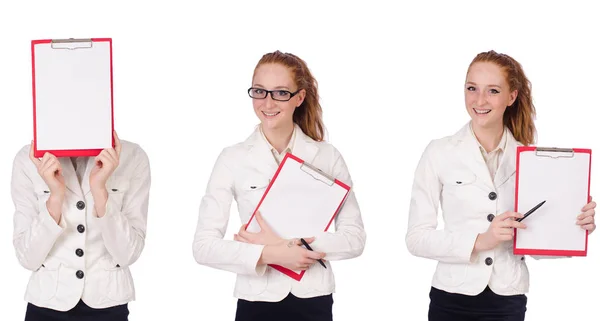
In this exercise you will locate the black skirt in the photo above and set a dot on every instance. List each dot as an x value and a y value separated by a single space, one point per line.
81 312
289 309
487 305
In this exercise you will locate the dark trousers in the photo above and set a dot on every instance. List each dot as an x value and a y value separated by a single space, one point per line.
486 306
289 309
81 312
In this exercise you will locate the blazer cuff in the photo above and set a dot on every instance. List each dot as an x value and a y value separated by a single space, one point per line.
111 210
254 252
466 246
48 224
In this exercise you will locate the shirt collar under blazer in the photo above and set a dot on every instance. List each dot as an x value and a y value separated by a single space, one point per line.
467 143
260 155
70 176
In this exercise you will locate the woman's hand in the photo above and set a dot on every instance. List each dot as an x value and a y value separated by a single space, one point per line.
286 253
104 166
290 254
500 230
266 236
51 172
586 219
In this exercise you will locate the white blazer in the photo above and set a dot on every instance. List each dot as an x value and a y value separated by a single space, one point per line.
452 174
85 257
242 172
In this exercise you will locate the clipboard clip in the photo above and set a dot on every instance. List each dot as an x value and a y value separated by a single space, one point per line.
317 173
71 43
554 152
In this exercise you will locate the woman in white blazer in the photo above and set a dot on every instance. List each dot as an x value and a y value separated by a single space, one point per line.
471 175
285 99
79 223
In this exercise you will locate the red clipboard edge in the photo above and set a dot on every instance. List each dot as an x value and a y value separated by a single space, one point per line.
518 251
77 152
286 271
551 252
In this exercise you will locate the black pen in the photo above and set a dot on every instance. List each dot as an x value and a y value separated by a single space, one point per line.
531 211
308 247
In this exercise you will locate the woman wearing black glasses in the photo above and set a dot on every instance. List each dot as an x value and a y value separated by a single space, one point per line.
285 99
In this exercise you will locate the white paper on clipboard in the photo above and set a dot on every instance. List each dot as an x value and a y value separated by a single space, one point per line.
301 201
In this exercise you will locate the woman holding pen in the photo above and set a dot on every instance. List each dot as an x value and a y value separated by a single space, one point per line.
471 176
285 99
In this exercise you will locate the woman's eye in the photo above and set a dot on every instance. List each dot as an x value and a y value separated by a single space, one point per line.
281 93
494 91
258 91
471 88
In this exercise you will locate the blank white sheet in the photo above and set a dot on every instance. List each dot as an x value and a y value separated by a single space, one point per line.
298 204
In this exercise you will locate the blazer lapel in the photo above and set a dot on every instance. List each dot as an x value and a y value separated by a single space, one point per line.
71 181
471 156
260 155
507 166
304 146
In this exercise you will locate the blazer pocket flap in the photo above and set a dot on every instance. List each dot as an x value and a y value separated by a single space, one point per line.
256 184
117 186
108 264
42 190
50 265
460 178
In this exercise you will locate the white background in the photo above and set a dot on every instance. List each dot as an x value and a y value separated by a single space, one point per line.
391 79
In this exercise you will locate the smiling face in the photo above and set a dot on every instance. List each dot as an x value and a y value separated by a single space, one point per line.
487 95
275 113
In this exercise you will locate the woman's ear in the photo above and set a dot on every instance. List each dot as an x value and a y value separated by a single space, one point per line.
301 95
513 96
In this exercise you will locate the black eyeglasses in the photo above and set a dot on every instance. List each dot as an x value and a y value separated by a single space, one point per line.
279 95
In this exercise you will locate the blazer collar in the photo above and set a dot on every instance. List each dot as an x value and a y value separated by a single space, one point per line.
507 166
260 155
471 156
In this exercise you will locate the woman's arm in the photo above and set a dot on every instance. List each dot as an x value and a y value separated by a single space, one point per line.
209 248
35 230
348 240
123 218
423 239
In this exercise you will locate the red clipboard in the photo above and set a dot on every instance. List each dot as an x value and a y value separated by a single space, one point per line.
551 157
289 163
68 152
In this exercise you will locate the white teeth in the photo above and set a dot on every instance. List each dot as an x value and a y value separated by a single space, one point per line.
479 111
269 114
